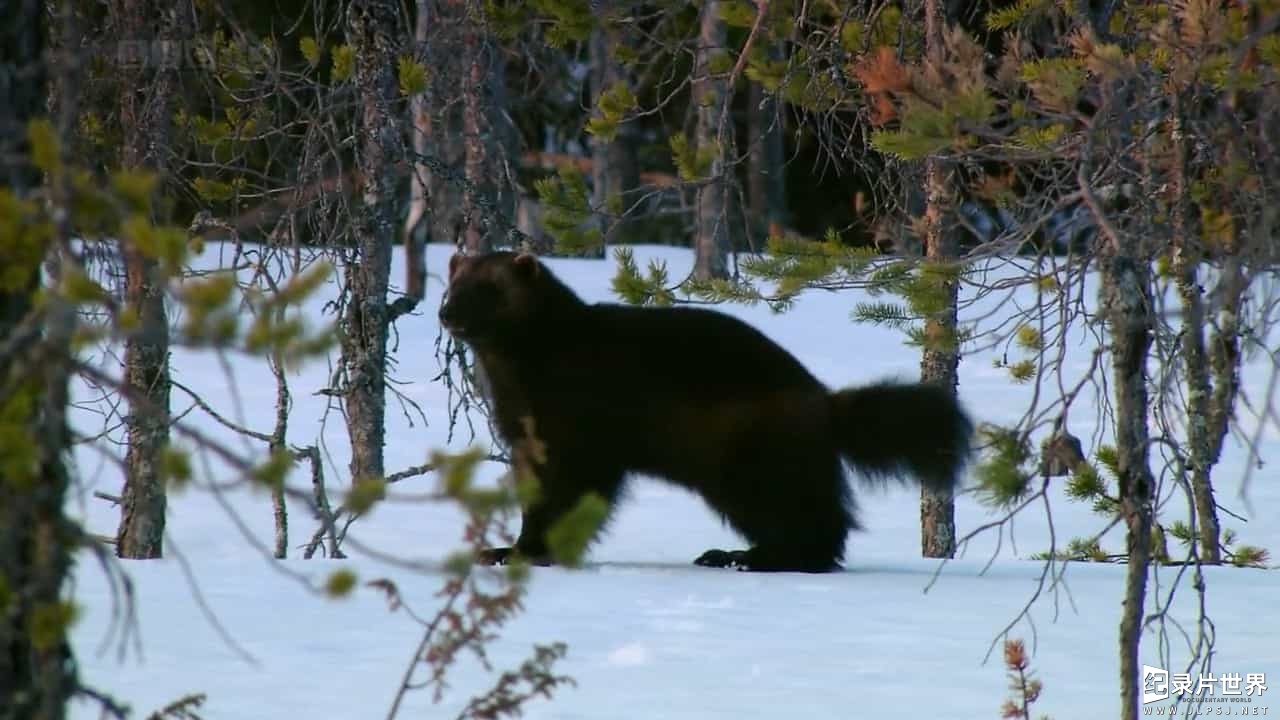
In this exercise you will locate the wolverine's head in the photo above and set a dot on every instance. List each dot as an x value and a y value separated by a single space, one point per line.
498 295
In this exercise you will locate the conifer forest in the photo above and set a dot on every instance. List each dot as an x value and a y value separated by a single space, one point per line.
241 442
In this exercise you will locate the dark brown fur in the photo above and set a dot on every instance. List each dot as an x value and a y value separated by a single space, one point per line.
693 396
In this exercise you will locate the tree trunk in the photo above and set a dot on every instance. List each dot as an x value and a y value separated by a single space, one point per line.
21 98
37 676
1224 349
1126 306
1224 342
711 243
1126 303
940 358
146 95
474 134
443 136
37 670
502 153
279 506
417 224
371 28
615 168
766 186
1187 252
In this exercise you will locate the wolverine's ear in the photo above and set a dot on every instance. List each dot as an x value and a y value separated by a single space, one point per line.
527 263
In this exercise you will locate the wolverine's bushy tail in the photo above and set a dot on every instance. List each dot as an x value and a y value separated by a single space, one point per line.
906 431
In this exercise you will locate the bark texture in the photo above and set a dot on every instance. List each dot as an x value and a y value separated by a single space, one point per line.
441 135
766 184
940 358
1187 251
1224 349
474 134
371 29
37 670
146 102
37 675
615 167
1126 303
711 243
416 225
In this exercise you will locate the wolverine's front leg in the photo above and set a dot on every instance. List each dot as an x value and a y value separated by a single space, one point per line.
560 490
503 554
531 545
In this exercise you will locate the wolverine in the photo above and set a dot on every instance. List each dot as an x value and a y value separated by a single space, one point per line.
697 398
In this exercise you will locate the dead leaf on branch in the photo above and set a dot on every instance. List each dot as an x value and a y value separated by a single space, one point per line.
388 589
880 71
882 75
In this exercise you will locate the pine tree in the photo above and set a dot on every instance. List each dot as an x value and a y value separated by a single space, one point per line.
711 241
373 31
147 92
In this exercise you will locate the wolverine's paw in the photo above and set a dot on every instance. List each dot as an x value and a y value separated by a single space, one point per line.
494 555
504 556
759 559
722 558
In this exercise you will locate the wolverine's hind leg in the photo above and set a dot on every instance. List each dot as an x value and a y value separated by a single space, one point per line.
791 503
764 559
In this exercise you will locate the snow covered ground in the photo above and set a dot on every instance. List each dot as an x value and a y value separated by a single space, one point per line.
649 635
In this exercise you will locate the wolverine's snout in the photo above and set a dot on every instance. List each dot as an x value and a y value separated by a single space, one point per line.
448 315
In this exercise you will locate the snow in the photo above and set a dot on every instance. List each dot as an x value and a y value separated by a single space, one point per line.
649 635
